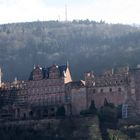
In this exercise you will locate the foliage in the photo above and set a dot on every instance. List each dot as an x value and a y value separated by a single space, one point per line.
97 44
60 111
107 104
108 113
117 135
60 129
119 110
92 110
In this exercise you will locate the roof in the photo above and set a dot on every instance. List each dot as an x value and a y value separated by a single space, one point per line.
77 84
45 71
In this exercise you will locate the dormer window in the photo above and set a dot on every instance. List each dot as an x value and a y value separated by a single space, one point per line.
37 73
54 72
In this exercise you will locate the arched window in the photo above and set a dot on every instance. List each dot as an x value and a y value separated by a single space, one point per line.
119 89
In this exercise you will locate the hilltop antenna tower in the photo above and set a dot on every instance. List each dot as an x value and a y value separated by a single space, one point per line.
58 17
66 14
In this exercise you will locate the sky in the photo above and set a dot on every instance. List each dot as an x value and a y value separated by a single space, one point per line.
110 11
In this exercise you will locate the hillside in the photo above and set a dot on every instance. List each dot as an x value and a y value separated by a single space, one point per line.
87 45
52 129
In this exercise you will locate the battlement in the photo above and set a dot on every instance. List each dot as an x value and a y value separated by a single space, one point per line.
113 77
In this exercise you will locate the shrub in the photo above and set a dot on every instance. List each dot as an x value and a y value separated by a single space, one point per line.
60 111
91 110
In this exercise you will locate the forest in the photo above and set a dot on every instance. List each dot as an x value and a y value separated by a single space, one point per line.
86 45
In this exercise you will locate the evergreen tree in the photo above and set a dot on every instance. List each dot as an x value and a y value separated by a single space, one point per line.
60 111
92 108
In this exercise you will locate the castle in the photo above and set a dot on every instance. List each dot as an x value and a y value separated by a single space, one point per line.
50 88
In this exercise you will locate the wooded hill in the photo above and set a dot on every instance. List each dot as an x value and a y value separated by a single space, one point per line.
86 45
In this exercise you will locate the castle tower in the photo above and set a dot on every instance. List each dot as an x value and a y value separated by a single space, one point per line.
89 79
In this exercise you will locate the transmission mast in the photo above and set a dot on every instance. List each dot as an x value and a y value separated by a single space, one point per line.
66 14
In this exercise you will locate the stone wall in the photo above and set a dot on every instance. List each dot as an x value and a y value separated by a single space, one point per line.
111 94
78 100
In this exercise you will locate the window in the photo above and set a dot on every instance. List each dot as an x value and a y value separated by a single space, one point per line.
124 111
119 89
101 90
110 89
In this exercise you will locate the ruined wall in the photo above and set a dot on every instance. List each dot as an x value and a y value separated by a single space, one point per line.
53 88
112 86
116 95
135 87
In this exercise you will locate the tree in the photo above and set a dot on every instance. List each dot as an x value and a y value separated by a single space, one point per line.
106 103
108 113
92 110
119 110
60 111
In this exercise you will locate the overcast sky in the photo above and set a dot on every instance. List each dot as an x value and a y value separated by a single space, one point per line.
112 11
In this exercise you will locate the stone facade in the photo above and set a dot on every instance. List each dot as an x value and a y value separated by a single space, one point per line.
40 96
119 86
50 88
76 96
112 86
